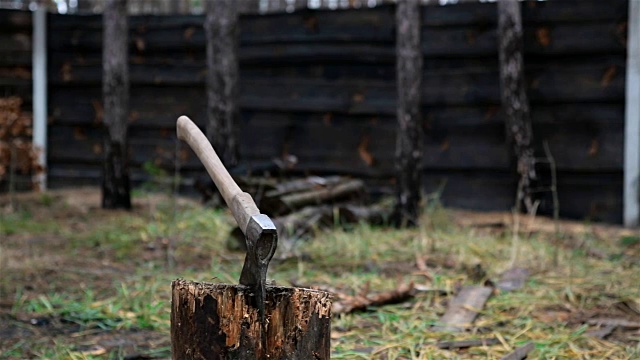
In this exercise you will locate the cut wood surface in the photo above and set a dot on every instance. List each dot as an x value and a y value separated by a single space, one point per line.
219 321
463 309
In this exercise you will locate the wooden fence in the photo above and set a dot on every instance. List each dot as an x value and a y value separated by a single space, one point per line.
15 54
321 85
15 81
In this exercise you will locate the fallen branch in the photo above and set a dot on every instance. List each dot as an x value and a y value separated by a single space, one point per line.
602 333
615 322
349 304
520 353
463 344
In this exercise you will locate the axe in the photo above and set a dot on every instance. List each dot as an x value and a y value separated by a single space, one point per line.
260 232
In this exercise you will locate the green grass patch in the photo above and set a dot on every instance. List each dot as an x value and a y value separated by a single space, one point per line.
363 257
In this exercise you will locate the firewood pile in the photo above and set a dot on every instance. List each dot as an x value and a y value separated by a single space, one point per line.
17 154
299 207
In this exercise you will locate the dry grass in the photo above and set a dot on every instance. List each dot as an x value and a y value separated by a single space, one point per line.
97 276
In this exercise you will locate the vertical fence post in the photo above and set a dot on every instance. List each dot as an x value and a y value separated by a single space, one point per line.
409 142
39 70
221 29
515 102
632 119
115 92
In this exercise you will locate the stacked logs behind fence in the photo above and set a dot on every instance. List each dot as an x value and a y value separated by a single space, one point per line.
17 155
299 207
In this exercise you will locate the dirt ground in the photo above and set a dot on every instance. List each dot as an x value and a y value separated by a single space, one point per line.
54 243
38 261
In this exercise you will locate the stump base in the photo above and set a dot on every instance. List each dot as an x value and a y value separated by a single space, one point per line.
217 321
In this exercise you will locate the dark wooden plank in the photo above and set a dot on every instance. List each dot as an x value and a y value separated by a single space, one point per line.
473 145
571 83
15 20
564 11
358 25
587 196
159 107
549 39
18 41
16 58
61 175
472 189
433 15
574 11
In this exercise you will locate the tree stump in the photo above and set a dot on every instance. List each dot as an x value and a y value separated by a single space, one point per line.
219 321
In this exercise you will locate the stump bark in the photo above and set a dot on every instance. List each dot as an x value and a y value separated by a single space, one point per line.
219 321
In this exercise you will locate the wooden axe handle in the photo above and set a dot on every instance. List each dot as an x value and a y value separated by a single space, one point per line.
241 204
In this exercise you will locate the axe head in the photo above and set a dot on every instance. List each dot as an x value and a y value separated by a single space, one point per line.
262 240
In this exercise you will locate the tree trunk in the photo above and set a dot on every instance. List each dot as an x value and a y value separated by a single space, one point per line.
217 321
115 91
514 97
409 141
221 29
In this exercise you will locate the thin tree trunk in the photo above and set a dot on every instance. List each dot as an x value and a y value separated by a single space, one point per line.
409 141
514 97
115 91
221 28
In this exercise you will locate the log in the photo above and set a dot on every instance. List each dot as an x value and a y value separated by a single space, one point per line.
323 195
309 183
218 321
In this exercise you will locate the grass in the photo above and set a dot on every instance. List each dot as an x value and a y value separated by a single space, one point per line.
130 259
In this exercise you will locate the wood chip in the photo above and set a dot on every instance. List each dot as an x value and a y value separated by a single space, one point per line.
520 353
601 333
463 309
463 344
513 279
